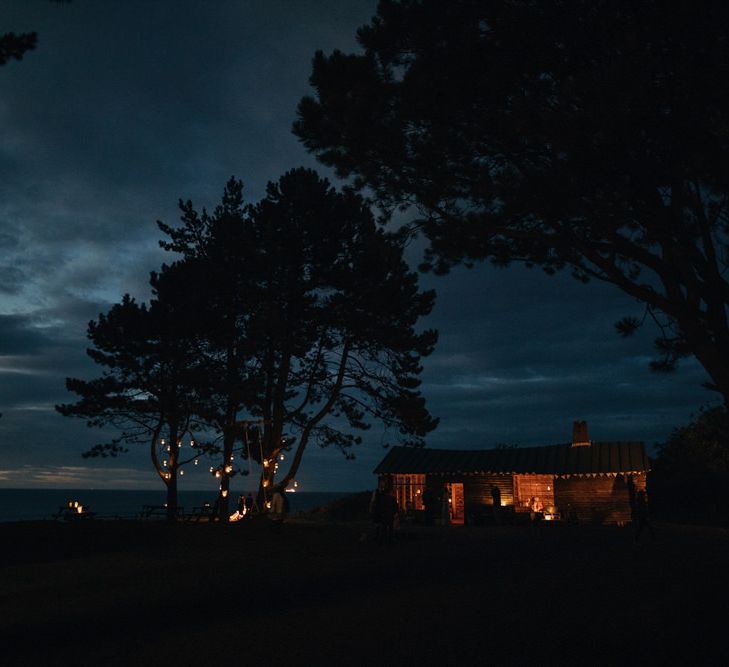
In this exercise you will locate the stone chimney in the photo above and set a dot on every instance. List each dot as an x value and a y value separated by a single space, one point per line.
580 438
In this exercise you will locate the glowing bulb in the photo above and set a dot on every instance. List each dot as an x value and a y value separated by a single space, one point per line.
268 504
265 483
228 469
211 468
217 473
192 443
163 441
182 472
265 463
282 457
224 493
164 463
196 462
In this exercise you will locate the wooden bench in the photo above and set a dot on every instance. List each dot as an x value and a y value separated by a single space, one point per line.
157 512
206 511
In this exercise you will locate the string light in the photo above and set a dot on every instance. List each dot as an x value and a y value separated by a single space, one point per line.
228 469
224 493
182 472
196 462
265 463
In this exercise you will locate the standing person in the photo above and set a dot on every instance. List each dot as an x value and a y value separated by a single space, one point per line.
278 508
249 505
496 501
429 506
642 520
388 513
445 507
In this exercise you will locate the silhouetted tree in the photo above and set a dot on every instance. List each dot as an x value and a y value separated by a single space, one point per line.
701 446
321 315
213 279
144 392
14 46
590 135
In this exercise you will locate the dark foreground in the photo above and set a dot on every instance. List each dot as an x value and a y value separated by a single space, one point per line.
131 594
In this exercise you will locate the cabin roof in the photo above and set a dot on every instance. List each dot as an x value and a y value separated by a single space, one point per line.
598 457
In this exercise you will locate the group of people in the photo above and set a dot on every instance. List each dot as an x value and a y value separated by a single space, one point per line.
277 508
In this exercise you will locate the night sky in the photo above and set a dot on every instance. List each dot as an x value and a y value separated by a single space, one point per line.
123 108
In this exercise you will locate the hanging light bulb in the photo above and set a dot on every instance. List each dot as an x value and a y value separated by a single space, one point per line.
182 472
196 462
224 493
162 441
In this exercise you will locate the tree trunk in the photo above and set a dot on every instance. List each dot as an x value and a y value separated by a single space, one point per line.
171 481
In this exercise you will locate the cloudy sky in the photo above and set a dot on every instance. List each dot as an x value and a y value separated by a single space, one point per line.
125 107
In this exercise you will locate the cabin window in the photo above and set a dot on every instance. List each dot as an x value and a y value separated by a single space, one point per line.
531 490
409 491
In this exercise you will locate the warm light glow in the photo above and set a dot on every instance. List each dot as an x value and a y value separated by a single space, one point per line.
192 443
211 468
163 441
268 504
196 462
79 508
265 483
224 493
265 463
228 469
217 473
164 463
182 472
282 457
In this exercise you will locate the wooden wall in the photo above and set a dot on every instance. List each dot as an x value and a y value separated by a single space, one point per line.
596 499
477 489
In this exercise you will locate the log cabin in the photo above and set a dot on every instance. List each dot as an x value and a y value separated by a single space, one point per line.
581 481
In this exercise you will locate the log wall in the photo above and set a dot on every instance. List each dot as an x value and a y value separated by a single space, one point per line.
597 499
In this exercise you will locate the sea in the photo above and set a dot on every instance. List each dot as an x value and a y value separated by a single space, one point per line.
38 504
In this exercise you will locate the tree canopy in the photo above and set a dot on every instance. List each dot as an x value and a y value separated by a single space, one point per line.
321 311
701 446
588 135
297 314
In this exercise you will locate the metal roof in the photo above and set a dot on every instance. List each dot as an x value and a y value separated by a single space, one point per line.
599 457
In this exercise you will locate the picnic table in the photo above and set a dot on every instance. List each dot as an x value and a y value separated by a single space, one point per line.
157 512
204 511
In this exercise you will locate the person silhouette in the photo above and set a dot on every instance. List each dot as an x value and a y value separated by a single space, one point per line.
642 518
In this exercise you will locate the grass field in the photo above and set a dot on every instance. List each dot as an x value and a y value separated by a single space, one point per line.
317 594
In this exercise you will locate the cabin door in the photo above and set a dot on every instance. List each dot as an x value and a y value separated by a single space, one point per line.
457 508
